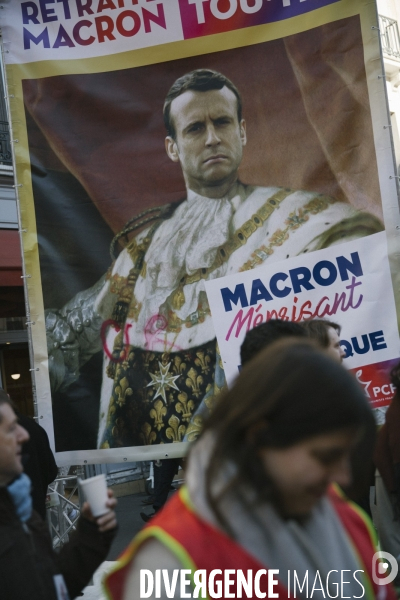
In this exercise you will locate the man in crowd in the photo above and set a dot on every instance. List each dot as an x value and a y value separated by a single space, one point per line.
39 463
327 334
160 355
267 333
29 568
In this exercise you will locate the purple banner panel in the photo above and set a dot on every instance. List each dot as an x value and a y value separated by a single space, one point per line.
207 17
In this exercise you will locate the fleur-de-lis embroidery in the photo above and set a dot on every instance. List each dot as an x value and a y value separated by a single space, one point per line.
148 357
165 357
123 390
194 429
129 360
175 432
194 381
210 400
157 413
184 406
148 436
203 361
178 365
119 428
111 411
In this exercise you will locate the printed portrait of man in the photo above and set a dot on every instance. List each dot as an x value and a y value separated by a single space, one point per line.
149 315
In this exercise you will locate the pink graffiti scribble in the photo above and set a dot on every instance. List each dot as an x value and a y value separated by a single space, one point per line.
103 335
155 325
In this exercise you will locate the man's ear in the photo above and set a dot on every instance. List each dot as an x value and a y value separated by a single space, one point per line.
171 148
243 135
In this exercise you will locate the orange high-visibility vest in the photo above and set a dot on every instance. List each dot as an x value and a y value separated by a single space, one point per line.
199 545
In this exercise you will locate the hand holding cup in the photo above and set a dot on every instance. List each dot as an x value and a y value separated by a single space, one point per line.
100 502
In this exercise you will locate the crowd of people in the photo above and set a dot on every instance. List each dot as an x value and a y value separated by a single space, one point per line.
29 567
273 485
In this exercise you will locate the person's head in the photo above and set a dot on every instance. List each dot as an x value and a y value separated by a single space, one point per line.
327 335
12 438
395 379
205 129
265 334
395 376
289 425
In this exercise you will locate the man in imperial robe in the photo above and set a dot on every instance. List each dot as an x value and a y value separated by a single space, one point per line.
149 313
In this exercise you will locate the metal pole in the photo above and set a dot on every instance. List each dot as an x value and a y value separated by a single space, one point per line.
389 125
25 276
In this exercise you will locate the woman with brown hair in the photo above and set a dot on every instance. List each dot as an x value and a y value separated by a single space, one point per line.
260 491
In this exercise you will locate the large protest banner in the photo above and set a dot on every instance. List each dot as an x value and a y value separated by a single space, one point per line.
125 355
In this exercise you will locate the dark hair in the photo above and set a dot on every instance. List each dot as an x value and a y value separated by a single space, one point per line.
318 330
289 392
5 399
395 376
265 334
200 80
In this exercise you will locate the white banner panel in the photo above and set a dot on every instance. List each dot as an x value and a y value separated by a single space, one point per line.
343 284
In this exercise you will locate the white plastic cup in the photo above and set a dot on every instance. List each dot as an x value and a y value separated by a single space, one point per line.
95 490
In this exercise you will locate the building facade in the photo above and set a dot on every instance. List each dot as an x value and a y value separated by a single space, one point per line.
389 17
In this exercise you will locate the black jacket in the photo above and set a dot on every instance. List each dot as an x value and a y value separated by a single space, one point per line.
28 561
39 463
